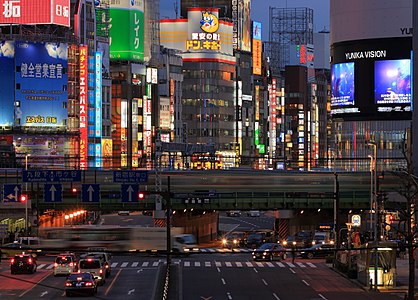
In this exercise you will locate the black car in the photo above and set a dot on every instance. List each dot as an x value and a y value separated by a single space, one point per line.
269 251
23 263
80 283
318 250
234 239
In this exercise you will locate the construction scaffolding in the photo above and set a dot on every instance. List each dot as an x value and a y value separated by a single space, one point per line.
287 27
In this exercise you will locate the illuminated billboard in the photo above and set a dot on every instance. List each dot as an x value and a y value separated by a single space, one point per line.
127 30
35 12
342 84
7 53
245 31
41 84
257 48
83 75
392 81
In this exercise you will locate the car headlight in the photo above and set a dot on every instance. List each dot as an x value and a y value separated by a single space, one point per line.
224 241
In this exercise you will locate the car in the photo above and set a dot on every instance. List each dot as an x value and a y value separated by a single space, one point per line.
95 266
12 249
253 213
124 213
318 250
233 239
147 213
257 238
80 283
233 213
65 264
106 258
269 251
23 263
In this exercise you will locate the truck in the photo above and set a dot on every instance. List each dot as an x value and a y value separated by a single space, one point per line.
322 237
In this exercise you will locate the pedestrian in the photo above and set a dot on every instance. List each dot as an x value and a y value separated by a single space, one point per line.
293 254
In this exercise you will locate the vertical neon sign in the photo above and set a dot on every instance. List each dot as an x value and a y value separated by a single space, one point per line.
83 106
98 94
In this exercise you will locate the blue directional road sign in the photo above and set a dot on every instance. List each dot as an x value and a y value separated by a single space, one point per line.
51 176
90 193
129 192
53 192
12 192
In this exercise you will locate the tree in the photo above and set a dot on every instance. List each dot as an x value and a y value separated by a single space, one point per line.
407 226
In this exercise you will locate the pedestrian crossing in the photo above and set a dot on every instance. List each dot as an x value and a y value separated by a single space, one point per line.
203 264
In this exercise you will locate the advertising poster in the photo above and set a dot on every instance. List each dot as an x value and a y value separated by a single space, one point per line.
41 84
127 30
342 84
35 12
246 26
7 53
257 48
392 81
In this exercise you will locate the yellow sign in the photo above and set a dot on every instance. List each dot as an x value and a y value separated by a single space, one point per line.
209 22
356 220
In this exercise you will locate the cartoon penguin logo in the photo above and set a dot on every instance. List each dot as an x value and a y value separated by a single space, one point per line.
209 22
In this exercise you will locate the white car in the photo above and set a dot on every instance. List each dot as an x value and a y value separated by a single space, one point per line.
65 264
253 213
123 213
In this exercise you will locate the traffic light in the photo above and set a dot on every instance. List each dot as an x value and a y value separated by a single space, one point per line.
23 198
74 190
141 195
391 219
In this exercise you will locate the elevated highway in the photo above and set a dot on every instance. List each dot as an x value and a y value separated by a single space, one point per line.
218 190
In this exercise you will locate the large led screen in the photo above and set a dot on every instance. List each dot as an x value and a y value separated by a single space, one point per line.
342 84
41 84
392 81
7 53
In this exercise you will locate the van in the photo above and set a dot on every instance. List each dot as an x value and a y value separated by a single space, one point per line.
95 266
184 243
321 237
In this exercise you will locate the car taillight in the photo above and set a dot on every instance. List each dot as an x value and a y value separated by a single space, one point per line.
101 271
55 265
71 264
12 261
68 283
89 284
30 260
107 266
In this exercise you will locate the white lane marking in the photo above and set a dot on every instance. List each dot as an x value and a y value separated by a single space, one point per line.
249 264
131 291
223 281
228 264
239 264
41 266
291 270
219 270
187 263
113 265
207 264
275 296
218 264
255 270
145 264
265 282
156 263
322 297
305 282
311 265
124 264
197 263
301 265
44 293
281 265
290 264
49 267
229 296
113 281
259 264
269 264
135 264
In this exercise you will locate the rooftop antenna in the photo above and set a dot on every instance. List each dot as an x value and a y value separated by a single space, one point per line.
176 8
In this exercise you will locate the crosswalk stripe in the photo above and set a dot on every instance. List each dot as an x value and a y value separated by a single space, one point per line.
218 264
41 266
145 264
49 267
301 265
249 264
197 263
135 264
207 264
113 265
228 264
187 263
311 265
281 265
155 264
259 264
124 264
290 264
239 264
270 264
